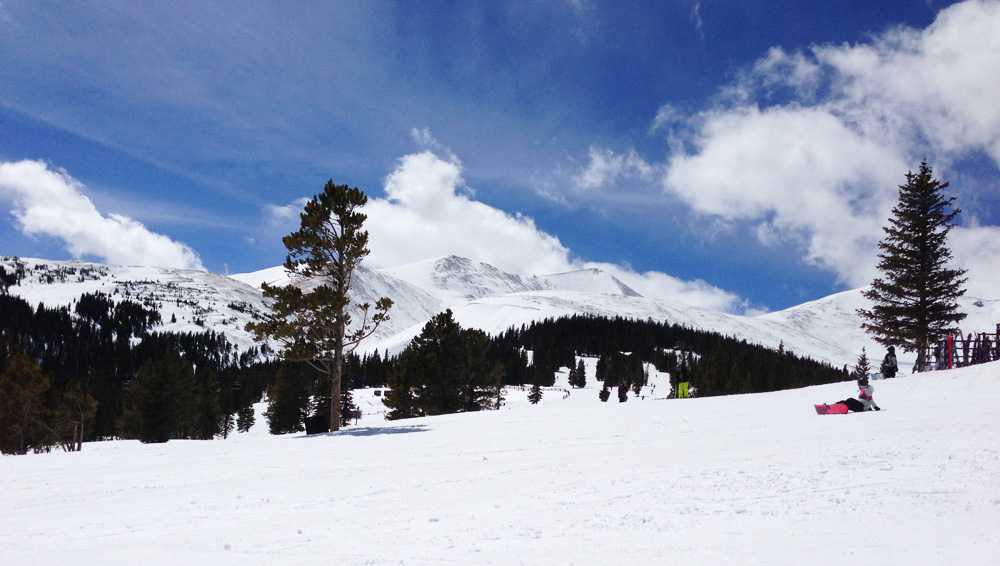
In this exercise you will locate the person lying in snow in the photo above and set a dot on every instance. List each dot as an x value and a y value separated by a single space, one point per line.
864 402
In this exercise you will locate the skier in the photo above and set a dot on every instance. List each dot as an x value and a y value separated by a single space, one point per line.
864 402
889 366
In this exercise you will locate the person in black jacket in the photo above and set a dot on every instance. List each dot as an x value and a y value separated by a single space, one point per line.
889 366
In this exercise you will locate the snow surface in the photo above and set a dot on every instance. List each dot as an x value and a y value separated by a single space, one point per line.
748 479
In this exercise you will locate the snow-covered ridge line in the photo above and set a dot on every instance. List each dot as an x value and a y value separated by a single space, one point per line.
480 295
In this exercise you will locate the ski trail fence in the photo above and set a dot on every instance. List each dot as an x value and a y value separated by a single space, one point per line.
960 350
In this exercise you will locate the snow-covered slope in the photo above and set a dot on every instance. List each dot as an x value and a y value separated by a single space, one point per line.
592 281
744 479
199 300
456 280
834 320
412 305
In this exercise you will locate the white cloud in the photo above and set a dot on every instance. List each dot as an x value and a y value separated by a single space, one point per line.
940 83
657 285
424 215
285 216
977 249
51 203
799 174
667 116
822 167
605 167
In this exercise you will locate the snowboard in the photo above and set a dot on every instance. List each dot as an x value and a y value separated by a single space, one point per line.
835 409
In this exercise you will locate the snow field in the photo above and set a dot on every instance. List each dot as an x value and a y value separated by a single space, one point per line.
749 479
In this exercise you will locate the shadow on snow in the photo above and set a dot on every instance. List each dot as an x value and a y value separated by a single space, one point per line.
370 431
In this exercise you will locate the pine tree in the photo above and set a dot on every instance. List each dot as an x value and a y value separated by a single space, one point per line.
863 367
578 375
245 418
206 422
915 300
312 326
162 402
150 409
22 410
401 398
535 395
76 412
288 398
446 369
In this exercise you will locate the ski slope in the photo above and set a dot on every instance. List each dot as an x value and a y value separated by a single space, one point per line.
750 479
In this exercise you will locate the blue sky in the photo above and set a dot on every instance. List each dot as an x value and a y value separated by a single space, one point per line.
740 155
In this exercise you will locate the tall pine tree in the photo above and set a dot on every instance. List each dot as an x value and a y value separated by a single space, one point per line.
915 299
310 319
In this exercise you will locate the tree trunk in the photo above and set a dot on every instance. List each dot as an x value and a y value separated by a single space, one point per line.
335 378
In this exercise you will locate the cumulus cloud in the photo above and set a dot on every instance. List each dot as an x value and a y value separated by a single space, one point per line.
427 213
799 174
821 167
978 248
49 202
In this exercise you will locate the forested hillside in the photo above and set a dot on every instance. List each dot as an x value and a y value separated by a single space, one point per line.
70 375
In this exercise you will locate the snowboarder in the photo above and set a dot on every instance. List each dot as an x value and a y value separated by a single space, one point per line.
864 402
889 366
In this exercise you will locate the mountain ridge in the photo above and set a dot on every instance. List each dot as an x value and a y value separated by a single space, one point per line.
480 295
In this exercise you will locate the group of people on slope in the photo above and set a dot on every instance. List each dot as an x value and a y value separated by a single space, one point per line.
865 402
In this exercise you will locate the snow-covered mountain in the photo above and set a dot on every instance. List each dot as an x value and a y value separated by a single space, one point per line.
188 300
480 295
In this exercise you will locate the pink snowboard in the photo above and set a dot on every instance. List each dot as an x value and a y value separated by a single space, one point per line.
837 409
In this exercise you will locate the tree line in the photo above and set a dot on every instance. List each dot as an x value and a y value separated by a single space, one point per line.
448 369
99 370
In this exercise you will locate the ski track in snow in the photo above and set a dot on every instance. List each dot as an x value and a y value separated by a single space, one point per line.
748 479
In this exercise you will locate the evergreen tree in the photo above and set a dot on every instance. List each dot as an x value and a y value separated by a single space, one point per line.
401 398
149 413
23 415
76 411
347 402
863 367
162 401
206 423
578 375
324 253
288 398
535 395
245 418
915 300
602 370
604 394
446 369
